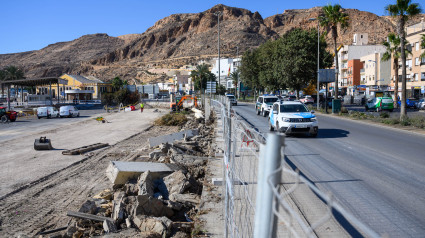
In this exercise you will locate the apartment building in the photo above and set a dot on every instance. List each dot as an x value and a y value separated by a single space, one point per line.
415 65
227 66
376 74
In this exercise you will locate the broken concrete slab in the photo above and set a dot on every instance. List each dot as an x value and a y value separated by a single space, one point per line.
120 172
150 206
145 184
156 225
188 199
189 160
155 141
109 227
176 182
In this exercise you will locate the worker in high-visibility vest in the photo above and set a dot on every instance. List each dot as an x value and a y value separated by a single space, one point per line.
141 107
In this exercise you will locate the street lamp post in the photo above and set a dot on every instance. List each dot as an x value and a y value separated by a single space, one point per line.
318 57
218 14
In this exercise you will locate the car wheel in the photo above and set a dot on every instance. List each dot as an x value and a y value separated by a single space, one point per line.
49 116
378 109
12 120
78 115
264 113
391 110
313 134
366 108
4 119
271 128
39 117
258 112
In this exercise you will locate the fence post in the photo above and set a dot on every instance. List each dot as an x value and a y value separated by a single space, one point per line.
270 159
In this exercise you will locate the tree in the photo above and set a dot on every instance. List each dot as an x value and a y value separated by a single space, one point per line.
235 75
117 83
299 70
402 10
393 52
201 75
249 69
333 16
11 73
269 58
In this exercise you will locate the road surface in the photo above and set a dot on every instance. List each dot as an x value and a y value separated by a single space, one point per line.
376 173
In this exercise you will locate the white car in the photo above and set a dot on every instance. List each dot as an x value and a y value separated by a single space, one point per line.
47 112
292 117
264 104
69 111
232 99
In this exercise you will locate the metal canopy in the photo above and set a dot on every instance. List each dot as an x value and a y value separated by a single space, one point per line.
34 82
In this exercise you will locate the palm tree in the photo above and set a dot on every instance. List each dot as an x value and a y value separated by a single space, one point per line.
200 76
393 52
235 77
117 83
333 16
402 10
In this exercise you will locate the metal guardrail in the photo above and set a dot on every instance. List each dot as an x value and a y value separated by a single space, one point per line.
256 202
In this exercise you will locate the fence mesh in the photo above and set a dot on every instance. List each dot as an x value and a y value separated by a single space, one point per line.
246 170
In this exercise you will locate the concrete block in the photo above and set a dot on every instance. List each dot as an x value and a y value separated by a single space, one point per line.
155 141
119 172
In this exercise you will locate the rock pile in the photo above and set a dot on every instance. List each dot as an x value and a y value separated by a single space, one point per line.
152 204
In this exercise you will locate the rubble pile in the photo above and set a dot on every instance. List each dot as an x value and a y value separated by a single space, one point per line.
153 203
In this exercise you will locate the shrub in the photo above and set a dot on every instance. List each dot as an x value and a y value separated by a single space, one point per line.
405 121
390 121
417 121
172 119
384 115
344 110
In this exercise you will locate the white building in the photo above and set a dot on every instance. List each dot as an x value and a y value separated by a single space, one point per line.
227 66
376 74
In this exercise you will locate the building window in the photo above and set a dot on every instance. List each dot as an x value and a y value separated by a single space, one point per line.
423 60
422 76
417 46
416 77
417 61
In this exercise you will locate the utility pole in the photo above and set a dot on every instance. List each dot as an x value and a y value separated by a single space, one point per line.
318 57
218 14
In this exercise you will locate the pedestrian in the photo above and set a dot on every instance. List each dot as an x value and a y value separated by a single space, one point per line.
141 107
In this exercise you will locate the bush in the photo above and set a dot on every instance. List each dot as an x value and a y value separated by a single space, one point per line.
390 121
384 115
172 119
344 110
417 121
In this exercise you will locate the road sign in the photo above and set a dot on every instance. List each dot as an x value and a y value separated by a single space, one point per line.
327 75
211 87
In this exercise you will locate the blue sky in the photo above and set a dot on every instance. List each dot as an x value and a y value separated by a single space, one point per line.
33 24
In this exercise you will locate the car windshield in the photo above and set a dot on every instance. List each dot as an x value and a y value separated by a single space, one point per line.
231 97
268 100
293 108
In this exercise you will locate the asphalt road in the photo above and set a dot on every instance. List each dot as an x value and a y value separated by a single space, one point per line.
376 173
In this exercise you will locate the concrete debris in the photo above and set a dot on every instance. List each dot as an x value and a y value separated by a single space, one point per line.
156 225
120 172
176 182
198 113
150 206
188 199
155 141
109 226
146 196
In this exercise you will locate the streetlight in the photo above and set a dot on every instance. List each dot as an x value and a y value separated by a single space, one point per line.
218 14
318 55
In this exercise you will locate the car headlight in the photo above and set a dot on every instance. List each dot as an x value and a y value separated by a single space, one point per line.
313 119
285 119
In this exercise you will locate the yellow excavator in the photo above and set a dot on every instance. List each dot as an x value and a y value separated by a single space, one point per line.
176 103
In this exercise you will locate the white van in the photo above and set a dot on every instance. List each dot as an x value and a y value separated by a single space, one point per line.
69 111
47 112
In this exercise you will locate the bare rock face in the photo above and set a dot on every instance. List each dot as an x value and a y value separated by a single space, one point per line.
183 39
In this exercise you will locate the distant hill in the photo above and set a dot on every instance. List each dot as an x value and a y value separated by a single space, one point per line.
182 39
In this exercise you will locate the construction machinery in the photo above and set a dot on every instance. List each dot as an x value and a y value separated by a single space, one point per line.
43 144
176 102
6 116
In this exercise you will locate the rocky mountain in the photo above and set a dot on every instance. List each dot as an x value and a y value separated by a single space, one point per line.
182 39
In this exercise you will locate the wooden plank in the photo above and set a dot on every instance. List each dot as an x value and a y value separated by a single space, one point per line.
88 216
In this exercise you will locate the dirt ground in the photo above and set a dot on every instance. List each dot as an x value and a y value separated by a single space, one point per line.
40 187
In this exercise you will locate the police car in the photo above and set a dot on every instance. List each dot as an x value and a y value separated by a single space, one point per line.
264 104
293 117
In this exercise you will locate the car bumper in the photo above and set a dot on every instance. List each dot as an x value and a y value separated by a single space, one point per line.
299 128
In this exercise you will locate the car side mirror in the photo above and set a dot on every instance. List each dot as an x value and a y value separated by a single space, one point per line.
312 112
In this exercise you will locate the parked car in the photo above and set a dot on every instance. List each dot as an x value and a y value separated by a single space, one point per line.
7 115
264 104
380 103
69 111
410 103
232 99
47 112
293 118
290 98
420 104
307 99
